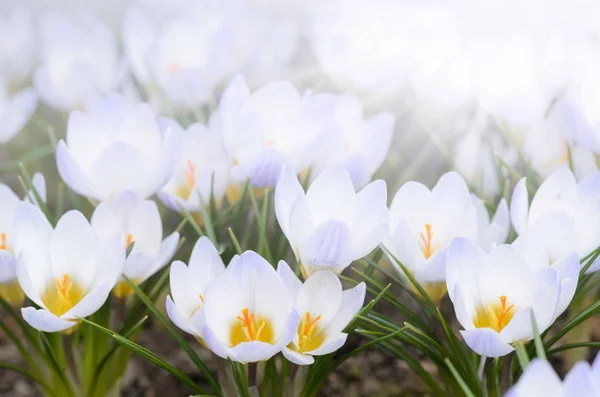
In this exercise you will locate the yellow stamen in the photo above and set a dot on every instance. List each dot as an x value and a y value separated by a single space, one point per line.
427 239
3 241
185 191
122 290
310 337
129 240
64 285
201 297
60 296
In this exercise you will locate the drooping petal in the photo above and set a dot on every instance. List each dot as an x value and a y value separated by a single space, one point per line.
45 321
297 358
486 342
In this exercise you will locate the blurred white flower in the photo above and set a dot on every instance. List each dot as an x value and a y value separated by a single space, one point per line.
330 225
15 111
201 167
350 140
79 61
249 314
110 149
422 223
264 130
561 193
140 223
188 287
325 310
494 295
182 55
17 48
10 290
68 272
540 380
491 232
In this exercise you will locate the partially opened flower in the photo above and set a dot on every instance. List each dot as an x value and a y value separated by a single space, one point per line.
201 168
561 193
264 130
10 290
350 140
80 61
68 272
109 150
15 111
540 380
249 314
140 223
495 294
549 243
324 310
330 225
422 223
491 232
188 287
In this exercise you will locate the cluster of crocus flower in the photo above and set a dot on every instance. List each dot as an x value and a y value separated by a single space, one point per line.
248 311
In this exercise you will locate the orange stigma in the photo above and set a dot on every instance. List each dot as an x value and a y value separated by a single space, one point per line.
190 173
2 241
247 320
201 297
309 325
427 239
129 240
63 286
503 311
173 68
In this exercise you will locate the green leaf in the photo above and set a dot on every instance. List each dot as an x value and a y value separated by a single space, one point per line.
148 355
239 376
522 355
459 379
190 219
372 343
235 241
42 383
580 318
539 345
178 338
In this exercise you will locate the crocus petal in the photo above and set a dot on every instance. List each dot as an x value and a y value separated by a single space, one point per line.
176 317
330 345
8 266
298 358
90 303
328 247
579 381
519 207
352 301
287 191
251 352
166 252
332 196
72 173
486 342
539 380
214 343
368 227
557 192
321 294
45 321
289 279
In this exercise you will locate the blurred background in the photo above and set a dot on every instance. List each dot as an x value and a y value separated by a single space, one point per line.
494 89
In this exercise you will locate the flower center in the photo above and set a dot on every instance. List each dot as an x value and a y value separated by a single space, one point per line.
249 328
428 248
62 295
495 316
184 191
310 336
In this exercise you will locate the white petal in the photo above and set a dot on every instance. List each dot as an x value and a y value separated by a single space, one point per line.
45 321
368 227
287 191
519 207
90 303
556 193
538 380
145 226
331 196
8 266
486 342
297 358
251 352
166 251
321 294
72 173
352 301
328 248
330 345
205 262
176 317
74 249
289 279
214 343
579 382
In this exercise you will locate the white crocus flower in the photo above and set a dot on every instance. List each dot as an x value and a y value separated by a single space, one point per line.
550 242
140 223
422 223
330 225
202 167
15 111
540 380
17 47
188 287
560 192
109 150
264 130
68 272
10 290
494 295
80 61
249 314
324 310
491 232
359 144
